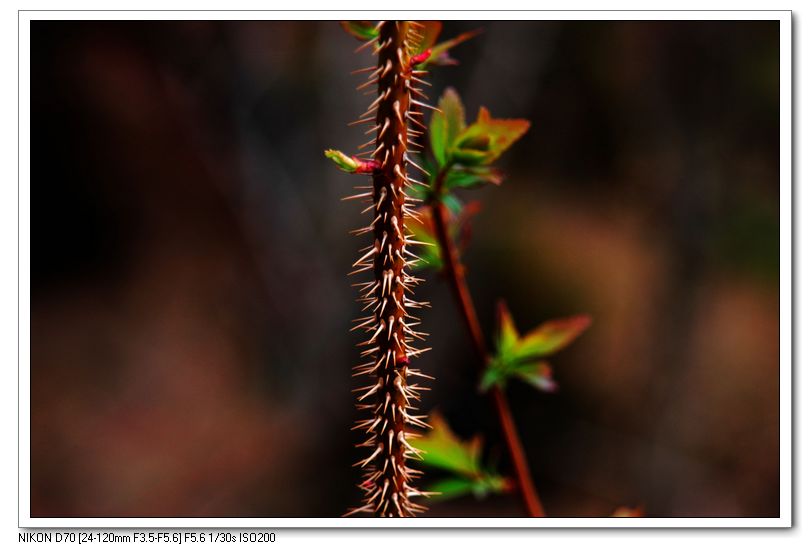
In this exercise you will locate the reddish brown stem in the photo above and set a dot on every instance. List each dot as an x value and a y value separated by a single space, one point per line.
458 284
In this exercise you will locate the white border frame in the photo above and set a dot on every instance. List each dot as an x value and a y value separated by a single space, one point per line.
785 275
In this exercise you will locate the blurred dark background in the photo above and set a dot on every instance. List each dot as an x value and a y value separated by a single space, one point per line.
190 305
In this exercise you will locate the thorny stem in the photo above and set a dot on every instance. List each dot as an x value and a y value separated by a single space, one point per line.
388 478
388 267
458 283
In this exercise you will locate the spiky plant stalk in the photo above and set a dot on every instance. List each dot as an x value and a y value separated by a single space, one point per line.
387 482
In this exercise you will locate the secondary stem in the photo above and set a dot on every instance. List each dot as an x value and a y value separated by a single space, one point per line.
458 283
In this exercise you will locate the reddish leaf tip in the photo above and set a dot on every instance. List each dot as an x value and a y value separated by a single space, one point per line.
578 323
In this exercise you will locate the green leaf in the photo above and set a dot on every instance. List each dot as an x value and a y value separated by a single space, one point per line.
422 229
453 487
551 336
519 357
424 192
421 226
431 167
537 375
507 336
419 192
362 30
438 136
491 483
499 371
446 124
429 256
475 142
454 205
470 157
343 162
485 140
445 451
493 375
457 178
453 109
480 486
470 177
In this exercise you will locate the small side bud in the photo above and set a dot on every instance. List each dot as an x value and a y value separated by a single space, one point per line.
351 164
366 166
420 58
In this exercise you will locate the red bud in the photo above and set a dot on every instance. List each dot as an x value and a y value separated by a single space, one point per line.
366 166
420 58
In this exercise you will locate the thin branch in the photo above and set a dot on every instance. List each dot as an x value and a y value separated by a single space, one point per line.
458 283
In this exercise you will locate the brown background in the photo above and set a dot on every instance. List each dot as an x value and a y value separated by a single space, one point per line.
190 307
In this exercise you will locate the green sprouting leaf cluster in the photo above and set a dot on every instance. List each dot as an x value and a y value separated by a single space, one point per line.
443 450
461 158
466 149
523 357
463 153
